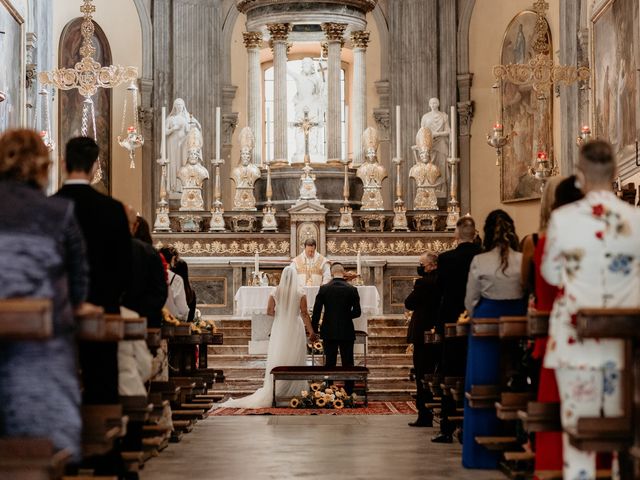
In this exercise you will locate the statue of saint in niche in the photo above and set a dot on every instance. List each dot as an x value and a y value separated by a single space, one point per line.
311 95
438 123
179 123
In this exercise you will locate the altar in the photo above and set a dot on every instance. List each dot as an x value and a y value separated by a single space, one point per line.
252 301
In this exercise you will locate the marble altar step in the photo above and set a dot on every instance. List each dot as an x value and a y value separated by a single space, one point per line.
235 331
388 321
229 349
387 348
375 340
236 340
229 322
388 331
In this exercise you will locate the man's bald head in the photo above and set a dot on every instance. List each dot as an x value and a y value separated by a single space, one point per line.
597 164
466 229
337 270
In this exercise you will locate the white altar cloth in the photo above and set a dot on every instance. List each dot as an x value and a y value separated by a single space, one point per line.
252 301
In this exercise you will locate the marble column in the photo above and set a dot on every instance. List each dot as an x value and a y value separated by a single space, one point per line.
360 40
334 33
253 43
279 34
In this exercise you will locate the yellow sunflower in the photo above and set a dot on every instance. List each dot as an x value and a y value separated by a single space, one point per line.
321 403
318 394
294 403
315 386
328 391
338 404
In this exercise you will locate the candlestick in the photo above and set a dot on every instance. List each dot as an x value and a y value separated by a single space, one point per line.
163 141
398 131
268 134
346 132
218 120
358 264
256 263
454 133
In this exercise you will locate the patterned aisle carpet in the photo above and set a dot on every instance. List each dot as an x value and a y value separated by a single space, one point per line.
374 408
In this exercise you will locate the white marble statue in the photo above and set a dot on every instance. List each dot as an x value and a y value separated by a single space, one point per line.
245 174
424 172
179 123
371 172
310 94
438 123
192 174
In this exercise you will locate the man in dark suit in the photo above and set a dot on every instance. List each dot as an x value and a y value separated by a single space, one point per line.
106 232
453 270
424 302
341 304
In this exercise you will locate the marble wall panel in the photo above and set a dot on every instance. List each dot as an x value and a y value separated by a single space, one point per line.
398 283
213 287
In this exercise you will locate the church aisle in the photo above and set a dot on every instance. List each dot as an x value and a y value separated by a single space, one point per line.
264 447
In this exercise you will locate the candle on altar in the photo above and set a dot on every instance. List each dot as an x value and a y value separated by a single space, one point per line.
346 132
359 264
542 155
131 129
218 133
453 138
163 141
397 131
268 139
497 126
586 129
256 263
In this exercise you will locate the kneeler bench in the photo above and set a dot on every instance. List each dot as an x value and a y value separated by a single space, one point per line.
317 373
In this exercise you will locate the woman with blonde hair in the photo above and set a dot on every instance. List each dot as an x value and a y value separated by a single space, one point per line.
43 254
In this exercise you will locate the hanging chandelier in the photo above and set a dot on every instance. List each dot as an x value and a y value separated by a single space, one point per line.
87 76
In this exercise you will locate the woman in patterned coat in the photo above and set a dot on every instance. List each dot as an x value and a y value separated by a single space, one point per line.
43 256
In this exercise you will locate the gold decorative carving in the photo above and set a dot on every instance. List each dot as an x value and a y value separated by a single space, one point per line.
360 38
279 31
334 31
243 223
232 248
252 39
387 247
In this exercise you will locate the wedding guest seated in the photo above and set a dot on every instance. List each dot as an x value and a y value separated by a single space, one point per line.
147 290
424 302
176 298
493 290
43 246
558 191
453 271
591 254
182 269
106 232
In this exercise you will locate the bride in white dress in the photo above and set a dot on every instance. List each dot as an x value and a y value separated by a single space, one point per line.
287 344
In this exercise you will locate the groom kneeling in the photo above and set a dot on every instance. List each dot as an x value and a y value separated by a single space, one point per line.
341 304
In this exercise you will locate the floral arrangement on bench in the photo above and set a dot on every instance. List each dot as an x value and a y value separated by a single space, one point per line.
322 395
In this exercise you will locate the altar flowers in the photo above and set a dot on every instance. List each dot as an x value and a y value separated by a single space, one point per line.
322 395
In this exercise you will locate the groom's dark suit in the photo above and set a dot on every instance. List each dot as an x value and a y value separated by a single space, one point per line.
341 304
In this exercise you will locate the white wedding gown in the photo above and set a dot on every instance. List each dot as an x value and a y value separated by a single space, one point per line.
287 346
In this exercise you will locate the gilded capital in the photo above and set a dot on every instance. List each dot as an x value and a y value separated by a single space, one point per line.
279 31
252 39
334 31
360 39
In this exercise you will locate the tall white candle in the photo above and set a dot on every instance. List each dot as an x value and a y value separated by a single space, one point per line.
397 131
454 133
163 142
346 132
268 135
358 264
218 120
256 263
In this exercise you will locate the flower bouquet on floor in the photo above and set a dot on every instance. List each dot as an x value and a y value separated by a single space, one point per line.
321 395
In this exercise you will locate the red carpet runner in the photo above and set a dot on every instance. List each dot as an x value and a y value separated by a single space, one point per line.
374 408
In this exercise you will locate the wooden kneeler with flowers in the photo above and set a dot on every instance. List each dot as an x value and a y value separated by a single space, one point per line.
322 395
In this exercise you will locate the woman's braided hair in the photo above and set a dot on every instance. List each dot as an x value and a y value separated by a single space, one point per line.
500 231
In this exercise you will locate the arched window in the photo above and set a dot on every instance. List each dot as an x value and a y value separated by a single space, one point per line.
71 102
311 76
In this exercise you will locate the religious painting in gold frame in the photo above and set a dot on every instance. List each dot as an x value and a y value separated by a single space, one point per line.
527 120
12 70
614 63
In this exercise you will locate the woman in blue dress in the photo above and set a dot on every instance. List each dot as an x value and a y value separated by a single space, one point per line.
493 290
43 256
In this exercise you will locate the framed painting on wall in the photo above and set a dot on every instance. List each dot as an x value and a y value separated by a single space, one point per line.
527 120
614 61
12 70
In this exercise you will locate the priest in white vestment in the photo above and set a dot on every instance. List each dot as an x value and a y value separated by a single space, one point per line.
313 268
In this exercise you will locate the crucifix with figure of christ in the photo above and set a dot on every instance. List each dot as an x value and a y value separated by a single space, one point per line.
306 125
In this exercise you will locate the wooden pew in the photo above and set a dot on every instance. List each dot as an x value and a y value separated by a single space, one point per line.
31 459
620 434
26 319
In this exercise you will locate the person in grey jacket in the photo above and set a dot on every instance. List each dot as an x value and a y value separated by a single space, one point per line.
43 256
